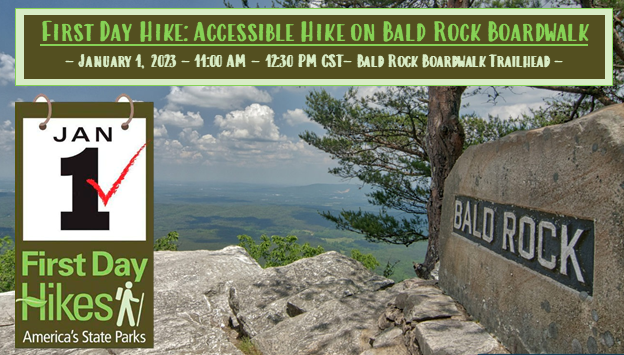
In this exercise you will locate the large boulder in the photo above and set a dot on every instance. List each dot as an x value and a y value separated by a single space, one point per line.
190 304
532 236
204 300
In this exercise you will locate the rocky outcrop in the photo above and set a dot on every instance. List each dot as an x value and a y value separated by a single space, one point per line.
432 323
568 177
326 304
329 304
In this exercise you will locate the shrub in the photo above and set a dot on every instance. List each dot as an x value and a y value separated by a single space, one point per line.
389 269
368 260
7 264
280 251
277 251
247 347
170 242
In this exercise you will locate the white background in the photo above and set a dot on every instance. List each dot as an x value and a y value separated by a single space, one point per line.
46 193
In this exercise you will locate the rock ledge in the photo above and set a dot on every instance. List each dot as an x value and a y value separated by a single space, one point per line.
329 304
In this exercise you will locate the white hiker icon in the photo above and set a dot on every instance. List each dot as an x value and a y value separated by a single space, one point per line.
126 298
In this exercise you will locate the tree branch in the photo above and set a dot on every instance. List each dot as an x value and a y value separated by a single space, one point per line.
592 91
586 4
576 106
618 46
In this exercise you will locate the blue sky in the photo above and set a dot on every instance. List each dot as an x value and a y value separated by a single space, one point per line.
225 134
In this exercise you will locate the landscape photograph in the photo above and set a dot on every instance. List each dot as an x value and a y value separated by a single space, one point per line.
231 161
447 216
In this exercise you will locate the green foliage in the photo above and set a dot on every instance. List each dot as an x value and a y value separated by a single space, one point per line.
368 260
254 217
389 268
509 4
277 250
170 242
7 264
294 3
555 111
244 4
380 227
378 139
565 107
245 345
280 251
480 130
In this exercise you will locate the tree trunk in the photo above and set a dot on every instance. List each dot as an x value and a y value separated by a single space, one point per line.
445 142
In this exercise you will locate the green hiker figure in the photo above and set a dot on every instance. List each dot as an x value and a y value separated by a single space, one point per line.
126 305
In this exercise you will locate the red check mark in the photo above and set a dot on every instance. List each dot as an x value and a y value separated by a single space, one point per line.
107 196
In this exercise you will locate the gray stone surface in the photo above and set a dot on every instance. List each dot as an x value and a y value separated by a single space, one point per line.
7 328
432 323
329 304
190 299
190 304
574 169
391 350
7 314
455 337
199 296
342 299
425 306
389 338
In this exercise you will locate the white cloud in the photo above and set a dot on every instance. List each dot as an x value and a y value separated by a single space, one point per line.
370 91
7 69
205 140
222 97
365 91
255 123
7 137
264 153
169 150
205 143
295 117
12 103
188 135
246 138
177 118
509 103
513 111
191 148
160 132
173 151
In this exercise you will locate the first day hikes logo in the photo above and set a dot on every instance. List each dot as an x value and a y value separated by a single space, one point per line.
84 224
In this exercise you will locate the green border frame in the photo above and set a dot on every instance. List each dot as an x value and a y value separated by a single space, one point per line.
21 81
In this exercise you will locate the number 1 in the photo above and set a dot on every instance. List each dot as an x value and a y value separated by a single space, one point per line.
84 214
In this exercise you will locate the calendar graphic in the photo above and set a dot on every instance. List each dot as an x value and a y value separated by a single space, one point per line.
84 224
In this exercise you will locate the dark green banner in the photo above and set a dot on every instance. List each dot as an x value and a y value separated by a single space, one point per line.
323 46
